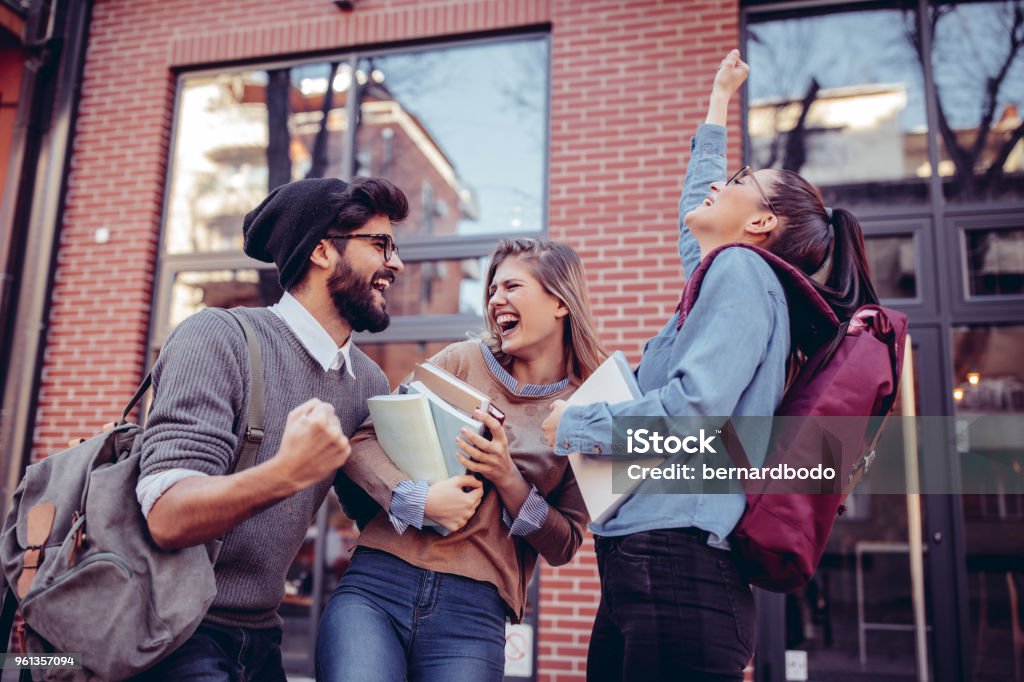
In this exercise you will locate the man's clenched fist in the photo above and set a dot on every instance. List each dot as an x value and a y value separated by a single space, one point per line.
313 446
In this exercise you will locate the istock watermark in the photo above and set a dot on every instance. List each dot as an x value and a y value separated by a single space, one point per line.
818 455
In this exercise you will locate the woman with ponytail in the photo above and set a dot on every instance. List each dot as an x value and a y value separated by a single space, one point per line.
825 243
674 605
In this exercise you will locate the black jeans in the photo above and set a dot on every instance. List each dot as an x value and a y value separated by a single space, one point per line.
218 653
672 608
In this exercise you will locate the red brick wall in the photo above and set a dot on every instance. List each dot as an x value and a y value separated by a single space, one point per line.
629 84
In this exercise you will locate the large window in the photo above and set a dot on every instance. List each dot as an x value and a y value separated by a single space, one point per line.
461 129
908 112
978 58
839 98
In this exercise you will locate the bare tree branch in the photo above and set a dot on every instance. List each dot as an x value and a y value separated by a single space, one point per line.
796 139
994 84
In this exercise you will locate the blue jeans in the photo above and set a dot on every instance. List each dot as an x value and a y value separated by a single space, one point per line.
672 608
389 621
219 653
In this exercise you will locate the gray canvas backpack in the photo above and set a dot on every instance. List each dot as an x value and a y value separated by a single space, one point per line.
79 561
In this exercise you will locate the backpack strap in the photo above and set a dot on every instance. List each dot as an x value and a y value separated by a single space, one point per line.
257 407
139 392
812 320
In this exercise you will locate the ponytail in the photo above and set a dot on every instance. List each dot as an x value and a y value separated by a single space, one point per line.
813 238
848 285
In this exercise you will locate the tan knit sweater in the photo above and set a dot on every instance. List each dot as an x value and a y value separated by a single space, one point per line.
482 549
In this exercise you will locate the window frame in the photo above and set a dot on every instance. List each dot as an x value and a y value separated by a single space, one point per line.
925 303
403 329
980 309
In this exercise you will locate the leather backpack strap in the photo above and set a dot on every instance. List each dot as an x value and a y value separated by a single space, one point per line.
40 523
257 407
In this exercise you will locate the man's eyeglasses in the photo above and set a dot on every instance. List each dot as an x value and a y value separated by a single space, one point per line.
384 242
747 172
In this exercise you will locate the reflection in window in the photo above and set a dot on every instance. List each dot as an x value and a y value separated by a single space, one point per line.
445 287
988 380
893 265
978 58
839 98
240 134
398 359
988 369
995 262
193 291
461 130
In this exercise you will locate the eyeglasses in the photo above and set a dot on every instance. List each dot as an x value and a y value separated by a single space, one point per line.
384 242
747 172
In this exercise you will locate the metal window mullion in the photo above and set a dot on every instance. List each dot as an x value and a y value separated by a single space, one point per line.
352 104
423 328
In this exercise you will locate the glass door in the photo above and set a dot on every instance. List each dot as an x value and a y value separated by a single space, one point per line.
988 398
863 615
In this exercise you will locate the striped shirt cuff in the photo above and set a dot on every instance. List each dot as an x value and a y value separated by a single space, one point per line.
532 515
408 500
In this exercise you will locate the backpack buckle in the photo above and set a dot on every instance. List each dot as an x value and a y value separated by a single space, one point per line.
254 435
32 556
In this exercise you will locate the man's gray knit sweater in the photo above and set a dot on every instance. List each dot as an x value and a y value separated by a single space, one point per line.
198 418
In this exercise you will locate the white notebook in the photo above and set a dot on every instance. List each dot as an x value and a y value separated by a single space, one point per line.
405 429
612 382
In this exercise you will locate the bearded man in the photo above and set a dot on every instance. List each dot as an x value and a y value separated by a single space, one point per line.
335 254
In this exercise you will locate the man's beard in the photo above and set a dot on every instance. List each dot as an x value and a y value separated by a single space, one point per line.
354 300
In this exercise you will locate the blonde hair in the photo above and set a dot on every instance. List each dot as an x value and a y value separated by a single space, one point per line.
559 270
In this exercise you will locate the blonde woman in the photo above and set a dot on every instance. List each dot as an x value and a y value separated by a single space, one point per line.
420 606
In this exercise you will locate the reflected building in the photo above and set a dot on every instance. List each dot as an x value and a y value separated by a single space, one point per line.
222 171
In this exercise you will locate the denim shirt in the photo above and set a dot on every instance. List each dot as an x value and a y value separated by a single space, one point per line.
729 358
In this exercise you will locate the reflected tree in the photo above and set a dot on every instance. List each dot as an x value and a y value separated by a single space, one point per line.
978 170
320 149
789 150
279 161
278 102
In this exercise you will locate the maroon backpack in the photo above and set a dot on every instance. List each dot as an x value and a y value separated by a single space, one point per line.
846 385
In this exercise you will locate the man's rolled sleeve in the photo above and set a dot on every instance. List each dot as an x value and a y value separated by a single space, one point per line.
200 385
151 488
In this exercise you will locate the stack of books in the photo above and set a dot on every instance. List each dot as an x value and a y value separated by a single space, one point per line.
612 382
417 426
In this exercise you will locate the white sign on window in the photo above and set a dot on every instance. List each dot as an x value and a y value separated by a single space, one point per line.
518 650
796 666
